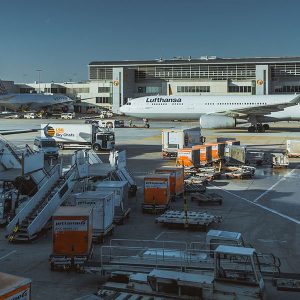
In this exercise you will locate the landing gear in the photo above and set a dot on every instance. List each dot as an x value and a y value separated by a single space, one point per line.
258 128
266 126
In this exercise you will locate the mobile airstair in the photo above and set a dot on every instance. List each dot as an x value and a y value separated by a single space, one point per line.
34 216
12 160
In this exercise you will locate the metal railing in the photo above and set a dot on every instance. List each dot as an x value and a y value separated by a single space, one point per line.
33 202
56 200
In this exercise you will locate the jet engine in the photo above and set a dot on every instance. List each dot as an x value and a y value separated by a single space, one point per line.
217 121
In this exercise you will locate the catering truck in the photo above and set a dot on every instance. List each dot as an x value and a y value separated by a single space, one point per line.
79 136
174 139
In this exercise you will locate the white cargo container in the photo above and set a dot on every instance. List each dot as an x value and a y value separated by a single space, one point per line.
174 139
103 209
119 188
79 136
293 148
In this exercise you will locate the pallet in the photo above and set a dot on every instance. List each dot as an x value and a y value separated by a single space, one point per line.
154 209
98 237
194 188
211 198
194 220
239 175
119 219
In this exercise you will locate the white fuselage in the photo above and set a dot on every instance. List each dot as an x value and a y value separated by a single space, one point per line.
193 107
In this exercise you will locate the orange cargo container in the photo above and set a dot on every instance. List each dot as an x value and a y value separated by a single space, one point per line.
185 157
156 191
176 179
217 150
14 287
72 231
205 153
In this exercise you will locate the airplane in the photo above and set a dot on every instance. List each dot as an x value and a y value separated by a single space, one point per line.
34 101
217 111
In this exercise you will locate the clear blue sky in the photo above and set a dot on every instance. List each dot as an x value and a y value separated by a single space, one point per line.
61 37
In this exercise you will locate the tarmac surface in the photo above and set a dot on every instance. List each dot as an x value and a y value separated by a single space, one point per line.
265 209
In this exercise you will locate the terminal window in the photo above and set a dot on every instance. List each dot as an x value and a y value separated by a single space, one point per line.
239 89
288 89
103 99
149 90
193 89
103 89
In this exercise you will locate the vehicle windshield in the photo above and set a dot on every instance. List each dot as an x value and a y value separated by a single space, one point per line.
111 137
48 143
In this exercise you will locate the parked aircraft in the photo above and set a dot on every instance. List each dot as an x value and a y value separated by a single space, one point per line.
217 111
34 101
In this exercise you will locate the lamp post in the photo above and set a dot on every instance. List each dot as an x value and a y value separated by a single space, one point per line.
39 71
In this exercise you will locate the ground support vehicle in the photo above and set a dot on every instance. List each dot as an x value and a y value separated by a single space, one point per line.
79 136
102 204
206 198
236 277
14 287
72 238
120 194
293 148
67 116
174 139
46 145
193 220
279 160
176 180
156 193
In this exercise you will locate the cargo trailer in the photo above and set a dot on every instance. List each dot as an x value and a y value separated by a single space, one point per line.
79 136
103 207
120 192
176 179
156 192
14 287
174 139
72 237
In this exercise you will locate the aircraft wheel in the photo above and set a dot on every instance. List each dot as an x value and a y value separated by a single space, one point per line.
260 129
251 128
266 126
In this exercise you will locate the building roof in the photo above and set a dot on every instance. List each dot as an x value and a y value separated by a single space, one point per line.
201 60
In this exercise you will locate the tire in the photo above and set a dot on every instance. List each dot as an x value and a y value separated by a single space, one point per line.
60 146
266 126
109 125
96 147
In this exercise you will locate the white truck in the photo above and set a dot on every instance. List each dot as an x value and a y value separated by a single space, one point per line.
79 136
174 139
47 145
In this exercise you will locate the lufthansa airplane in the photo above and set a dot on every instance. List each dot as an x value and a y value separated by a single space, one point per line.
34 101
218 111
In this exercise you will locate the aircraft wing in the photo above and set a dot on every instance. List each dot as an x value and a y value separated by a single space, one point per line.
261 109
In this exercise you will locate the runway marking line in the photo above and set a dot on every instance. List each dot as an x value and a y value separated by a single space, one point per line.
8 254
259 205
158 236
275 184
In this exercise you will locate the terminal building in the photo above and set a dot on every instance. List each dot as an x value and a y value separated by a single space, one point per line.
207 75
111 83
